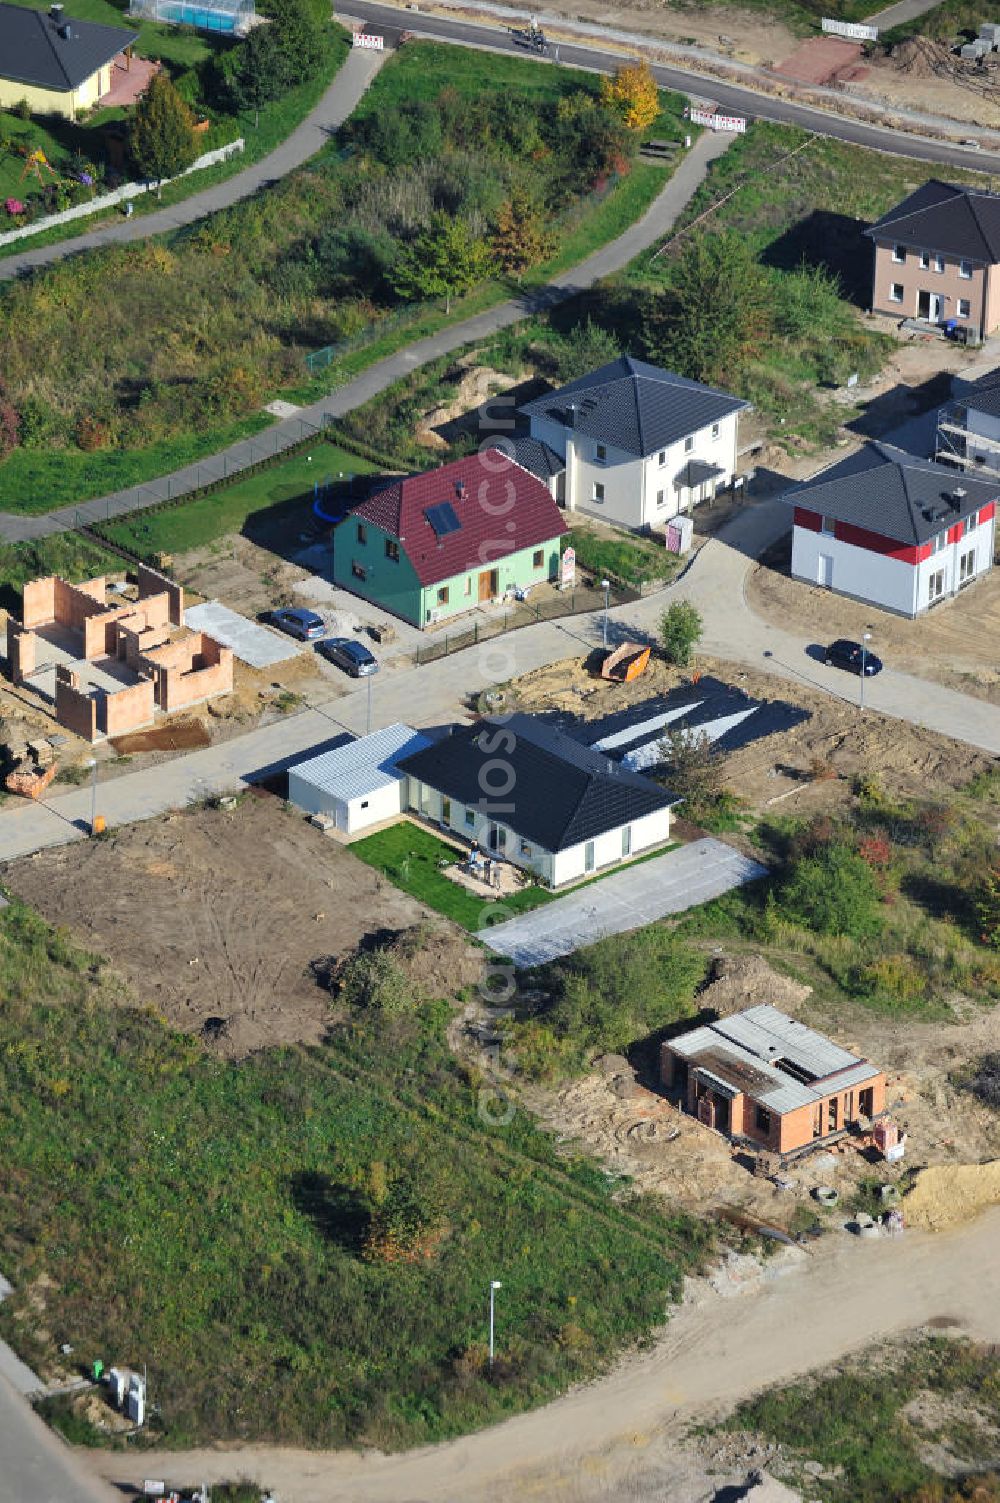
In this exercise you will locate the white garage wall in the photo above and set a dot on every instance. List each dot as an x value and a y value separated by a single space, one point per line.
868 576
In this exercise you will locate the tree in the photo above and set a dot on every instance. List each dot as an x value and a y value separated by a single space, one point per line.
258 73
680 632
633 93
716 312
585 348
833 892
161 137
445 259
301 41
521 238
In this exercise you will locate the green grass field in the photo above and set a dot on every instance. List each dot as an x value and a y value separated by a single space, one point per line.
630 560
193 524
208 1217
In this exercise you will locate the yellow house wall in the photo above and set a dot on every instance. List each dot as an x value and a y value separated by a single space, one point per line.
52 102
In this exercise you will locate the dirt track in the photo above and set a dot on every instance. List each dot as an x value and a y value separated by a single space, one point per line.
617 1438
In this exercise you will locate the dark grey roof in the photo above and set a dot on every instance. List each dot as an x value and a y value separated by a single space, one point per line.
945 217
32 51
894 494
982 395
562 793
634 406
696 472
535 456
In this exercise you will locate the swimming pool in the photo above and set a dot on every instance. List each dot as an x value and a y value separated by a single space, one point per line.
199 16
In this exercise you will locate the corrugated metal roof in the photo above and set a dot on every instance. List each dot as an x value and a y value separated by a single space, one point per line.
362 766
761 1036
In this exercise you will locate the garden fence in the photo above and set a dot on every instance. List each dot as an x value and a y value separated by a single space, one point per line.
575 602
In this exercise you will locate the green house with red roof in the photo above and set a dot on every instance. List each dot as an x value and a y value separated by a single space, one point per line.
428 547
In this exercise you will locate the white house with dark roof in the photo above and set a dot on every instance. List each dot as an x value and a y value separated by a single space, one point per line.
886 527
632 444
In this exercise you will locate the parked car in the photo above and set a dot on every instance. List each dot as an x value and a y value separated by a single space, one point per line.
849 655
349 655
297 622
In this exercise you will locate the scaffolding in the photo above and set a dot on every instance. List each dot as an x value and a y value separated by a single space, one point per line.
222 17
958 442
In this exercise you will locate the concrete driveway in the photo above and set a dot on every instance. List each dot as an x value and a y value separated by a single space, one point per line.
629 899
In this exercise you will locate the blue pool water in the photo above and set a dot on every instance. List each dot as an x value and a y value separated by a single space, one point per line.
196 15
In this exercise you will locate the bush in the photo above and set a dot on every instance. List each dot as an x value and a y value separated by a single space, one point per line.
375 983
895 979
833 892
680 632
983 1080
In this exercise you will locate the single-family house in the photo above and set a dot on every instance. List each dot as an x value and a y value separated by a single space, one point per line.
636 444
430 546
359 783
937 255
60 65
763 1076
886 527
968 431
527 792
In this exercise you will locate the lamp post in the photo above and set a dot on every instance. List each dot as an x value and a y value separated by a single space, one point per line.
92 763
865 639
606 587
495 1284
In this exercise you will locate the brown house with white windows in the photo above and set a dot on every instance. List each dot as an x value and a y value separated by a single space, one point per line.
763 1077
937 258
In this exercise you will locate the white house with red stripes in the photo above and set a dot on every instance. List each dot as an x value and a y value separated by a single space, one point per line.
886 527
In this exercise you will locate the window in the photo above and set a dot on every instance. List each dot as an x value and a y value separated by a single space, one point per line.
661 498
446 811
392 550
588 856
895 292
925 260
601 454
626 840
941 541
661 458
364 803
964 308
967 567
357 571
525 848
442 595
498 838
468 585
828 526
939 263
362 533
715 430
470 819
538 558
762 1120
688 444
935 586
598 491
833 1108
899 254
965 269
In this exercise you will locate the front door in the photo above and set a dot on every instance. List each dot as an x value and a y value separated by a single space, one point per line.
488 584
930 305
824 570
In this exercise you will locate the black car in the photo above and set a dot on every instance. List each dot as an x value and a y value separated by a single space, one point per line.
349 655
850 656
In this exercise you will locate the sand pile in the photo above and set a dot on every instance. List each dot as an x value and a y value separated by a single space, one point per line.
741 981
946 1195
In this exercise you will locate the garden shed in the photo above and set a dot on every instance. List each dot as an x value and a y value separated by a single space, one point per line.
357 784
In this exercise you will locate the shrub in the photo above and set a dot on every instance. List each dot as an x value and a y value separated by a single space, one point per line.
987 907
583 349
22 109
9 423
983 1079
680 632
833 892
374 982
161 138
876 850
893 978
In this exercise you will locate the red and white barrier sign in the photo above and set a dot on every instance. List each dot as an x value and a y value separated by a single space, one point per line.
715 121
375 44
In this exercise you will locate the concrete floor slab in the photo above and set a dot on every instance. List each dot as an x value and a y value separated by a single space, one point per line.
629 899
253 644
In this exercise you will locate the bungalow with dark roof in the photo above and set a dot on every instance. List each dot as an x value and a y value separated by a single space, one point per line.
937 255
428 547
886 527
528 793
632 444
60 65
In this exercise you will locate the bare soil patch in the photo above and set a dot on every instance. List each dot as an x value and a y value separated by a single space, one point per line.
225 918
177 735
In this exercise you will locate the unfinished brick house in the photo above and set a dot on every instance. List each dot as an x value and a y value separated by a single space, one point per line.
764 1077
109 665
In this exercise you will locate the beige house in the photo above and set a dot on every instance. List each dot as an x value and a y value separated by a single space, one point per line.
60 65
937 258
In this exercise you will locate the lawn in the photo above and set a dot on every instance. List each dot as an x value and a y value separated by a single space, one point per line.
193 524
625 560
241 1202
411 858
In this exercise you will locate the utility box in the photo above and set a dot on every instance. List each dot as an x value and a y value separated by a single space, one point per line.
135 1400
680 534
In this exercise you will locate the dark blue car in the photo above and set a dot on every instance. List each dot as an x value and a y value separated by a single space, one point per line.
850 656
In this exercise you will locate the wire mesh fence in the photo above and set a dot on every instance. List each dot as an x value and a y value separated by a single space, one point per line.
484 627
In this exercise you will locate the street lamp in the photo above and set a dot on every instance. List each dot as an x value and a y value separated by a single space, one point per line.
606 587
495 1284
865 639
92 763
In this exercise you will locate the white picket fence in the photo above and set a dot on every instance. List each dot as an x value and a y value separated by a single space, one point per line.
856 30
118 195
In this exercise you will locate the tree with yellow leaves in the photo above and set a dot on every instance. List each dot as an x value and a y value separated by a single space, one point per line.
633 94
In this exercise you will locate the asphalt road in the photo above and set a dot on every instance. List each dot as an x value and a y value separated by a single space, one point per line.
732 98
35 1465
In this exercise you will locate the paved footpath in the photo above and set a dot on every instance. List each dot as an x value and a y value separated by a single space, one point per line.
654 225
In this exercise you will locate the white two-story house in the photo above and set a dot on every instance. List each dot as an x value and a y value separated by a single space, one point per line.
632 444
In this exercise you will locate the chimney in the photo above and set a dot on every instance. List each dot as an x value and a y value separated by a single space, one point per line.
460 488
570 497
56 13
958 495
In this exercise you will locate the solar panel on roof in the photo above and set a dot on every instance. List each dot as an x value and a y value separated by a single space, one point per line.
443 519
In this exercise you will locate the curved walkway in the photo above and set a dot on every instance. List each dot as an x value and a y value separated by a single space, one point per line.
658 219
339 101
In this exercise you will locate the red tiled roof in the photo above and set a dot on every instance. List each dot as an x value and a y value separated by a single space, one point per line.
501 508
